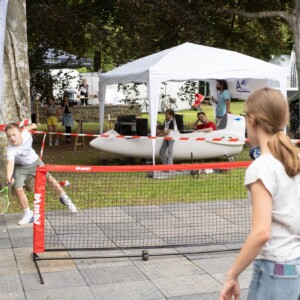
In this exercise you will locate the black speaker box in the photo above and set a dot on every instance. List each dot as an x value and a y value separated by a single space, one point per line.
179 122
142 127
125 129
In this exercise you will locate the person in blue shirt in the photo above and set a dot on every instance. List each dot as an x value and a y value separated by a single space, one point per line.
223 101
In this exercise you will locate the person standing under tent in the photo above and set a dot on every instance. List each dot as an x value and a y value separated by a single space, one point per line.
22 162
84 92
67 118
52 111
166 150
223 100
273 183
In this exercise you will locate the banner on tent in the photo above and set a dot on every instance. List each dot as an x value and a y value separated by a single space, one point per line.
241 88
3 11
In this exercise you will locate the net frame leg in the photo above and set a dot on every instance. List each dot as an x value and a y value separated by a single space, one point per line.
36 258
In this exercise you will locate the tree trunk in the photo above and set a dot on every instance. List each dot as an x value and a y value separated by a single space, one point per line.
15 100
97 61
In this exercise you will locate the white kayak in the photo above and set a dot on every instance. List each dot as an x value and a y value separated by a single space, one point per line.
188 145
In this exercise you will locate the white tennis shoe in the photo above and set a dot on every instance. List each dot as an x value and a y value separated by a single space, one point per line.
65 200
26 219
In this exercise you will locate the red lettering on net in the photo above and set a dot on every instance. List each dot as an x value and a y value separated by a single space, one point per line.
39 210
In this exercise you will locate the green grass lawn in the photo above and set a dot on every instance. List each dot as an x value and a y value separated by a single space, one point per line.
65 154
135 188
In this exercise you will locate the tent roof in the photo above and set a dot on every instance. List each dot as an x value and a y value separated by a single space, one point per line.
191 61
187 62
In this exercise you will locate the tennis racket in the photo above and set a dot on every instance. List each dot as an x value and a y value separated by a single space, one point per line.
4 200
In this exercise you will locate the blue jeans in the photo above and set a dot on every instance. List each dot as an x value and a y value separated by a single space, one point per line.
265 285
166 152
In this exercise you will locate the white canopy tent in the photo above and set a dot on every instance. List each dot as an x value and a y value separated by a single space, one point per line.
188 62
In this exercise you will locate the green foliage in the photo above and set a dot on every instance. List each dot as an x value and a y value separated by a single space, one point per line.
82 70
115 32
188 90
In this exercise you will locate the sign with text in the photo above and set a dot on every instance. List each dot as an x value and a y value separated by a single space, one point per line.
241 88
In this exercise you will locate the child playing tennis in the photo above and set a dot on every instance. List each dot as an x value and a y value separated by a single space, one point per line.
22 162
273 182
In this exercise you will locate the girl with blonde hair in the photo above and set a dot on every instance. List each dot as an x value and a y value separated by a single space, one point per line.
273 183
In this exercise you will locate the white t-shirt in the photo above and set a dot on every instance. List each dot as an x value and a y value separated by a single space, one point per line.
170 125
83 88
22 154
284 242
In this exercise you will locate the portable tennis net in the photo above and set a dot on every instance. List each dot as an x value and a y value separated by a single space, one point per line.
140 207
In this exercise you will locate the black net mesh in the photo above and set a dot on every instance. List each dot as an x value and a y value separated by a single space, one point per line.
117 210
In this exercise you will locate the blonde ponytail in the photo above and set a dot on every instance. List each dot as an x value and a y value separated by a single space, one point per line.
282 148
269 110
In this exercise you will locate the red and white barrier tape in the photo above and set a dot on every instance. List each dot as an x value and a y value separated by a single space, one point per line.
215 139
21 124
43 145
168 138
182 138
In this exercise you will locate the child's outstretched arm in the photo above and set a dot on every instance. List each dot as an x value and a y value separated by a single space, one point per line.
31 126
9 171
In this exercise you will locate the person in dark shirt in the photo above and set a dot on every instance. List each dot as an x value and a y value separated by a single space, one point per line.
67 118
84 92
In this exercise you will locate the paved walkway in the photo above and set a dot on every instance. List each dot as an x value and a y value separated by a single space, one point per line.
184 277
